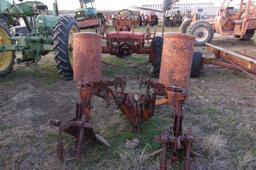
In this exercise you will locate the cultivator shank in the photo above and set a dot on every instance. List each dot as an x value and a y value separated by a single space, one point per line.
136 107
87 73
174 77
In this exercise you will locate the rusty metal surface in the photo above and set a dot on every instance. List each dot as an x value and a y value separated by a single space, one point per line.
176 99
88 22
87 57
134 42
136 107
220 63
124 24
176 59
173 139
177 143
235 59
125 41
80 126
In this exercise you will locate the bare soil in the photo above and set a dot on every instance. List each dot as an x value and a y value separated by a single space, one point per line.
221 108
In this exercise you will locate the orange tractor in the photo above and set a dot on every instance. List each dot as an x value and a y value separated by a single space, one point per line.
240 23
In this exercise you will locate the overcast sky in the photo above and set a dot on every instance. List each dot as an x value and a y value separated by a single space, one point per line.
112 4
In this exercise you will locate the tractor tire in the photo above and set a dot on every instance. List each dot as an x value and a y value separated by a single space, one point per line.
184 25
203 32
157 47
6 58
248 35
62 41
197 64
254 39
167 22
102 21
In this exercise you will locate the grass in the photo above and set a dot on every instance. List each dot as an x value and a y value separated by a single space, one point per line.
132 66
220 108
4 127
247 160
117 132
46 73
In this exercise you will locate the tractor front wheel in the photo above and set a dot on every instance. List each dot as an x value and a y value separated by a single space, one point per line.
202 30
6 58
63 45
248 35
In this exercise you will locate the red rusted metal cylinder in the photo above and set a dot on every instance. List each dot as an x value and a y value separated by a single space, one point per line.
87 57
176 59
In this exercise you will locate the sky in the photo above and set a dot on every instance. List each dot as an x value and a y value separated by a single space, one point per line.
111 4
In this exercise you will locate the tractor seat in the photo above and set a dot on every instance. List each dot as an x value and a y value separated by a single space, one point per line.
237 22
125 35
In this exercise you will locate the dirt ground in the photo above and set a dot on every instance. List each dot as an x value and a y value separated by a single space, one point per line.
221 108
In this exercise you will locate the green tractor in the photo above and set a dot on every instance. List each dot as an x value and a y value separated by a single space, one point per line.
44 33
88 17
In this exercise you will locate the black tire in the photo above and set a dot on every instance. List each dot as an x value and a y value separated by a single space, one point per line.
248 35
156 21
201 37
101 18
197 64
61 46
168 22
157 47
184 25
9 68
100 28
4 23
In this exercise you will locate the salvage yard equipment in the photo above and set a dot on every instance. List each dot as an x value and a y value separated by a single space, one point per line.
234 60
45 33
87 16
87 73
174 77
173 19
241 23
125 41
125 21
152 19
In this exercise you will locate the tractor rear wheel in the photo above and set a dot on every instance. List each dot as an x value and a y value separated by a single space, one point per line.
157 47
203 32
248 35
63 45
6 58
184 25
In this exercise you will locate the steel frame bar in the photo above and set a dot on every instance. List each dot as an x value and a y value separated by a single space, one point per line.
231 59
